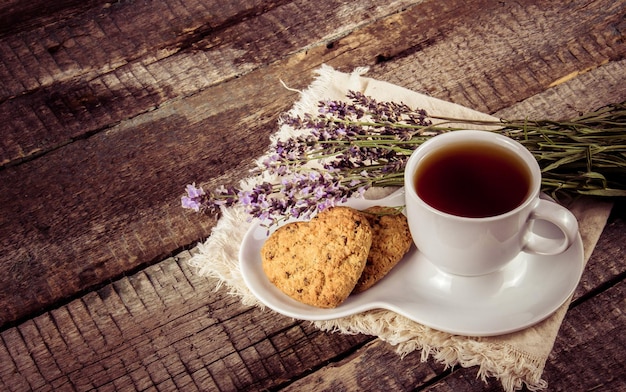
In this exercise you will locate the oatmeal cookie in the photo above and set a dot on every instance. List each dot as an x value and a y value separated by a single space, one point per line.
319 262
391 241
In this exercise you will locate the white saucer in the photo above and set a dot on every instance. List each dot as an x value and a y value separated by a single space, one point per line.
526 291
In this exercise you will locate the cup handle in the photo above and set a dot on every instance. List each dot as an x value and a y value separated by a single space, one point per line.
559 216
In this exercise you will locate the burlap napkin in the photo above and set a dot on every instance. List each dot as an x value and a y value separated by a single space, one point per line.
515 359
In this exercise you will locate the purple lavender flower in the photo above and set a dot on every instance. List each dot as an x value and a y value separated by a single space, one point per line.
193 200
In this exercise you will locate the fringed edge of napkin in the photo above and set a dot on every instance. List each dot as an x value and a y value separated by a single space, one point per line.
503 362
218 256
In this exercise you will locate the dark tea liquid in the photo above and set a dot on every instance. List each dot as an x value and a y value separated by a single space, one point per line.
472 179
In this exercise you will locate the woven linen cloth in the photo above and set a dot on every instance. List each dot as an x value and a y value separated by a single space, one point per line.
514 359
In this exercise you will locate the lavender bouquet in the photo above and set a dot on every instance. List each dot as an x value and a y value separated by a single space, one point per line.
359 143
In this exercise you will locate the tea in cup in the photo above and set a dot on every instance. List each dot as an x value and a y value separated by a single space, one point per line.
471 200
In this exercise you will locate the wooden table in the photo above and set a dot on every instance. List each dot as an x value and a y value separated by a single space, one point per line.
107 110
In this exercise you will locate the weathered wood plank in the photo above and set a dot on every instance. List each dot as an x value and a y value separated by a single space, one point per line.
16 15
109 202
77 77
142 334
372 368
608 266
583 343
530 45
165 327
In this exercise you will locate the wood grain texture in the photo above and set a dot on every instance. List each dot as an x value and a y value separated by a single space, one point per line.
371 368
107 110
163 327
492 59
101 68
16 15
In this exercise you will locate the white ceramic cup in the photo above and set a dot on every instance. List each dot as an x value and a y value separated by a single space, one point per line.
477 246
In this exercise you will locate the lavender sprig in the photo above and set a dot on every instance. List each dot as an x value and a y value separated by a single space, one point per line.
350 146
